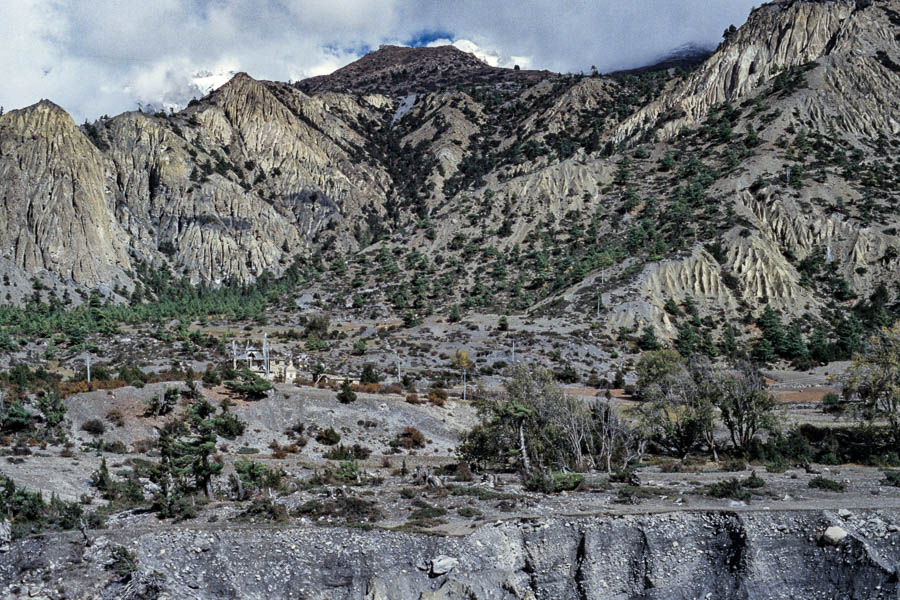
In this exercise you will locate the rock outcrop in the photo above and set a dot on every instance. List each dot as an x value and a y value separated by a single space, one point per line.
690 555
777 36
57 199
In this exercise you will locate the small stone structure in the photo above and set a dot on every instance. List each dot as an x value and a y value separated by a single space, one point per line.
283 370
257 361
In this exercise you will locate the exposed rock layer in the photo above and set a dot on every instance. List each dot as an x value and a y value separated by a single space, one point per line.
743 555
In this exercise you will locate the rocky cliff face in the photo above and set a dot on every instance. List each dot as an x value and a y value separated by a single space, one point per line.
239 185
692 555
777 36
242 183
57 199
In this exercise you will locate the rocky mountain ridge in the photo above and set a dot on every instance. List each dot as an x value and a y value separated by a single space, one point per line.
400 70
786 35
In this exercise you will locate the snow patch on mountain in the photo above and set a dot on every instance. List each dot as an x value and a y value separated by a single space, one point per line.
171 88
491 56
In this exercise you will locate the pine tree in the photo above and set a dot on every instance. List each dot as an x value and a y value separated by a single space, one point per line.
648 340
707 345
773 332
794 345
52 408
369 375
875 313
249 384
455 315
820 346
188 458
729 341
764 351
103 481
187 462
849 336
686 343
346 395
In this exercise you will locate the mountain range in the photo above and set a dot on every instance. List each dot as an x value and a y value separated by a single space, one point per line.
684 200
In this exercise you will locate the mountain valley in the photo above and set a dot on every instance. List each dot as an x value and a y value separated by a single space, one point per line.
429 328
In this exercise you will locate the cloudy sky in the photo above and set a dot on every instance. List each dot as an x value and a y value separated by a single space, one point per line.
97 57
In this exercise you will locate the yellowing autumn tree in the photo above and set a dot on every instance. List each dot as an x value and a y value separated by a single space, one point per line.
462 361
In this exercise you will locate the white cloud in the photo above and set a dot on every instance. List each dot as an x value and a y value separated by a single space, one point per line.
104 56
491 56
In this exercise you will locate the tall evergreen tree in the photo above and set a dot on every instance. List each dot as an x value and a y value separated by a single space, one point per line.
773 332
648 340
794 347
729 341
764 351
686 342
820 345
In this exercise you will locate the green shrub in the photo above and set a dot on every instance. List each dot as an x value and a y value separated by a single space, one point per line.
779 465
891 478
409 438
123 563
831 403
341 452
867 445
177 505
94 427
427 512
823 483
116 417
554 482
328 437
346 395
754 481
157 407
348 472
228 425
738 489
369 375
468 512
730 488
29 513
734 466
211 378
264 509
16 418
345 510
114 447
621 476
257 476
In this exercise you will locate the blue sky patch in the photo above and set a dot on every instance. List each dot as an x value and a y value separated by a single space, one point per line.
426 37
